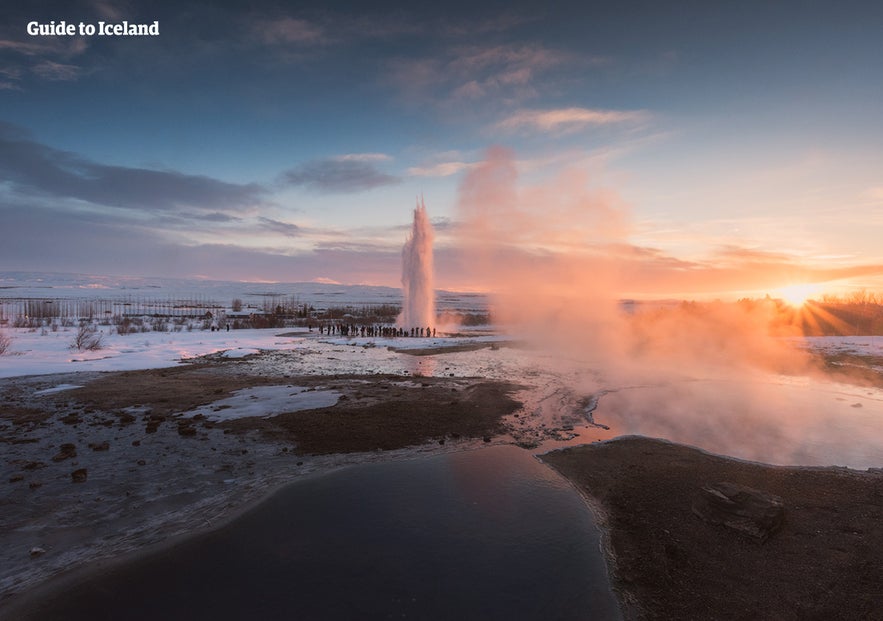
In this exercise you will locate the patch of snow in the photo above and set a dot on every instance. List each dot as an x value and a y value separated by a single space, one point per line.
241 352
59 388
266 402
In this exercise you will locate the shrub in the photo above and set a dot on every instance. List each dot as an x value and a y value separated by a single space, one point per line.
87 339
5 342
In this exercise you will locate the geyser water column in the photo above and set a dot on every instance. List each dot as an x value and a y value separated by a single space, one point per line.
418 306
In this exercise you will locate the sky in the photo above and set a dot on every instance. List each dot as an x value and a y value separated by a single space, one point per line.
737 147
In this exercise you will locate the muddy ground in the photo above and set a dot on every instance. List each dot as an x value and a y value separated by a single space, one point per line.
113 464
826 561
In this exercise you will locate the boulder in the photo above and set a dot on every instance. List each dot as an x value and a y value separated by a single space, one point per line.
746 510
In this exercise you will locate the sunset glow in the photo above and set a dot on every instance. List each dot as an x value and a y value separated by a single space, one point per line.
798 295
690 160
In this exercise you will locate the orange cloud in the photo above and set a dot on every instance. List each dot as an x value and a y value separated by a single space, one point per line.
569 119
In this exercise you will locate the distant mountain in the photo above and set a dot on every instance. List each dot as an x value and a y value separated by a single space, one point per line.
319 295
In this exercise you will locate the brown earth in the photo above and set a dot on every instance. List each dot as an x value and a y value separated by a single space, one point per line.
826 562
375 412
382 416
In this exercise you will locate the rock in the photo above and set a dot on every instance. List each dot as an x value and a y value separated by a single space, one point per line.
186 430
100 446
141 462
37 551
487 438
136 442
79 476
35 484
66 451
16 478
746 510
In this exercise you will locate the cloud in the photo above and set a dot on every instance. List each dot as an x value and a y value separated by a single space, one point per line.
56 71
504 73
289 230
563 120
363 157
289 30
344 174
39 170
442 169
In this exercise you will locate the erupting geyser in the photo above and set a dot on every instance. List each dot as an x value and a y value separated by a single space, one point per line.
418 308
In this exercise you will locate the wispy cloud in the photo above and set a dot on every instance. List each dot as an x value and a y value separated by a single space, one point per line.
507 73
342 174
289 30
564 120
38 170
275 226
57 71
363 157
442 169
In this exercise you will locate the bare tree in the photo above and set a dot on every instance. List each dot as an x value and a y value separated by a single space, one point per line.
87 339
236 306
5 342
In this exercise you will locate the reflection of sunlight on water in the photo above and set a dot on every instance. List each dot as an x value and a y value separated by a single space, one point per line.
420 366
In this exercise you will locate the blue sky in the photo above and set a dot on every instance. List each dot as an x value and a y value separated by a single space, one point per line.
742 142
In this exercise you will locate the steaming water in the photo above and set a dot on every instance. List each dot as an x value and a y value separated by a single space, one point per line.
418 308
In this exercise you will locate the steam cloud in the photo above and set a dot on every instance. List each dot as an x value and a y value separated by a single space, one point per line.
701 374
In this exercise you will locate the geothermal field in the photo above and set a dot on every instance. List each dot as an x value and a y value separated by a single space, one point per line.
285 454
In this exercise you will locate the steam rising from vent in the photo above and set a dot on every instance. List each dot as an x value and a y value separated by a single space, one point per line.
418 308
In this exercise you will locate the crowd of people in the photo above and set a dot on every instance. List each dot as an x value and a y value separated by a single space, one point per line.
348 329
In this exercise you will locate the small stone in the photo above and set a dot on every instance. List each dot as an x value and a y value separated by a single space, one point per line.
35 484
16 478
66 451
136 442
141 462
37 551
79 476
100 446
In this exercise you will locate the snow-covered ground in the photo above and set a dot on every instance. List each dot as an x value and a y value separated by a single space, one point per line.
42 352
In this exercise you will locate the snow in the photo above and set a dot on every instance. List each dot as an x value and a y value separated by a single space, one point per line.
35 352
266 401
38 353
55 389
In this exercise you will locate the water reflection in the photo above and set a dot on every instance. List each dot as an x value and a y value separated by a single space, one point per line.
488 534
420 366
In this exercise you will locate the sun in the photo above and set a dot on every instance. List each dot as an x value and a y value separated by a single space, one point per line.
797 295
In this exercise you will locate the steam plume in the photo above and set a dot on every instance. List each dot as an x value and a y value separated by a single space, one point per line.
418 309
